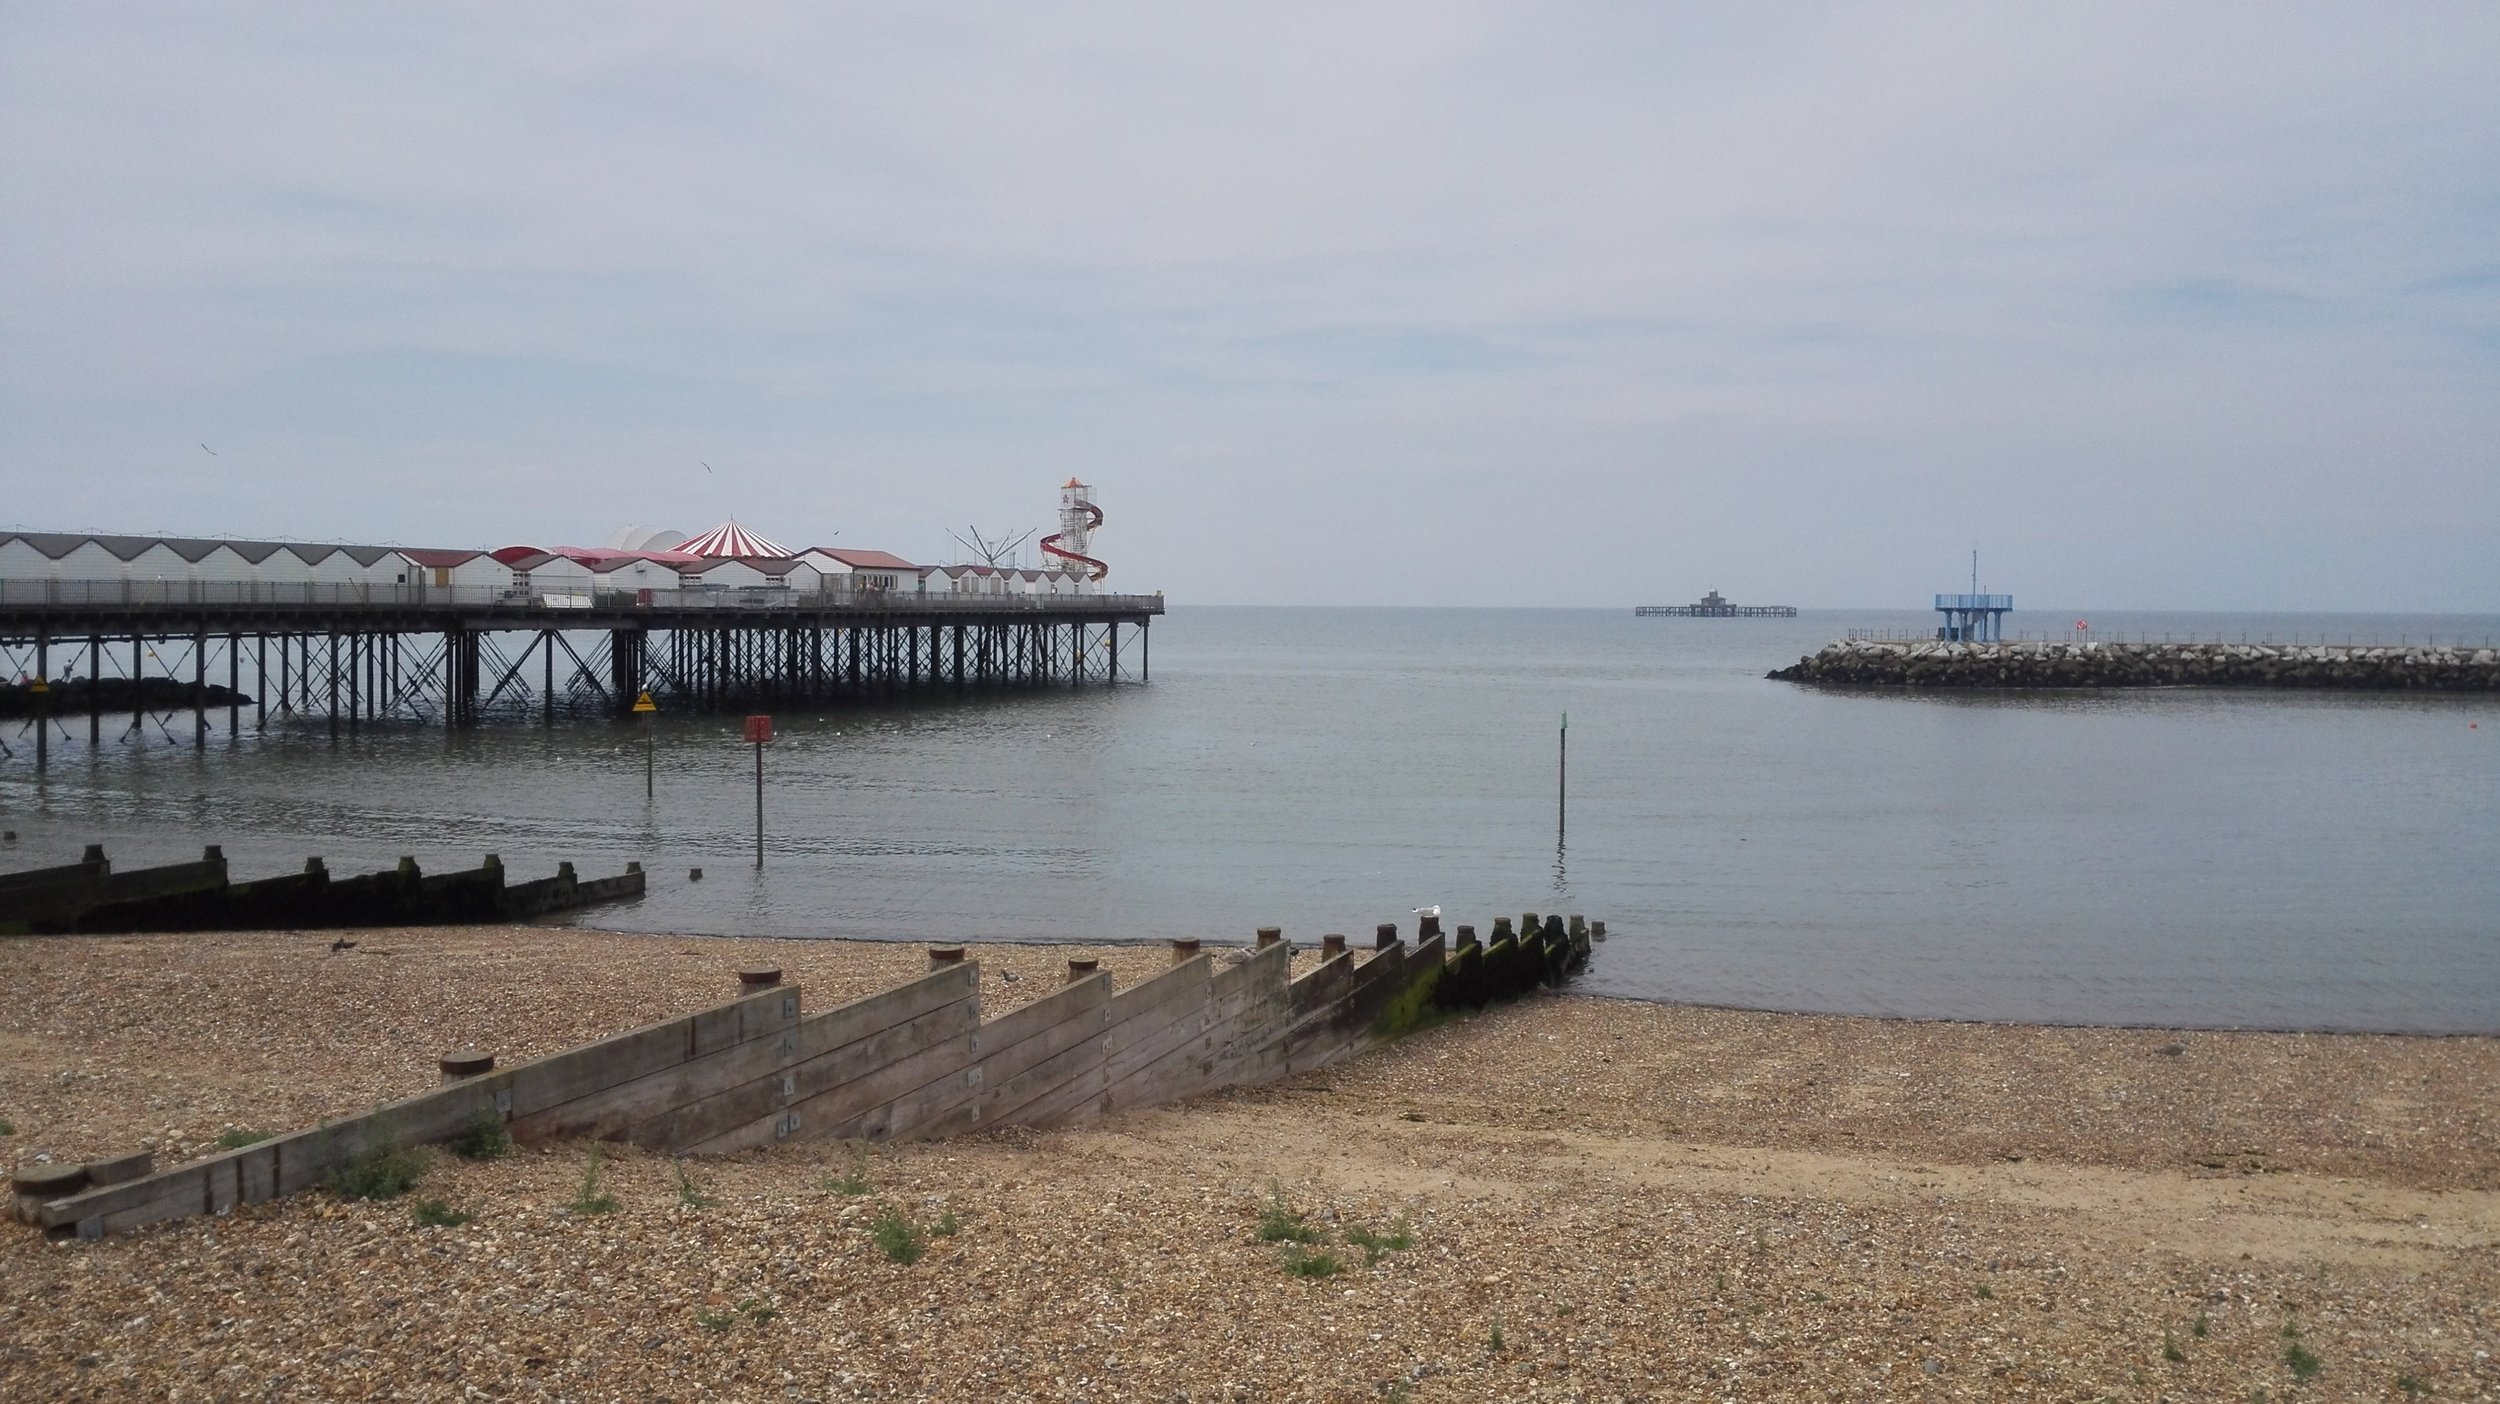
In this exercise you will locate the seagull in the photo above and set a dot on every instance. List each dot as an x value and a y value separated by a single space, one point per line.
1432 911
210 451
1007 975
706 466
341 944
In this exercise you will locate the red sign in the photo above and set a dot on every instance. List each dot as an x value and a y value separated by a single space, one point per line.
759 729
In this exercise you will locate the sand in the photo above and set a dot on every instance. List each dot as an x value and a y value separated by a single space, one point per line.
1600 1200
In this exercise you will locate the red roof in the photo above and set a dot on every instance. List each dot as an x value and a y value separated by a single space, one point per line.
434 559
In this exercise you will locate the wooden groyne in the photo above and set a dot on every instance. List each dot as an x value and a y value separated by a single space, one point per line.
914 1061
88 896
2035 664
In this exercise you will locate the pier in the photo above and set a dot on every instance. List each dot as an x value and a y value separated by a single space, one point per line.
353 654
1715 606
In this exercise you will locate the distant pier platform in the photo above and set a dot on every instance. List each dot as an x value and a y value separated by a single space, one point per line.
1716 606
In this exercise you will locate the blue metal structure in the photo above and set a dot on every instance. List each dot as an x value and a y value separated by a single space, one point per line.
1973 618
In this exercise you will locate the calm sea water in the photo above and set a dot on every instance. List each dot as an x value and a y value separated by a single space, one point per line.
2175 857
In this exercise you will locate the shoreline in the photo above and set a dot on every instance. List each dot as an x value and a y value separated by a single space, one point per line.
1605 1198
1157 943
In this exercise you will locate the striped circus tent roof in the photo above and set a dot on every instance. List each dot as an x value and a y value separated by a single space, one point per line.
731 539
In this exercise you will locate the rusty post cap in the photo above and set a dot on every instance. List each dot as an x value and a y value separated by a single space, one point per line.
945 955
1332 944
1184 948
1270 935
1385 935
757 977
1079 969
468 1062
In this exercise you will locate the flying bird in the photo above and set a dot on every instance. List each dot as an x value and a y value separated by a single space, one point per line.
210 451
706 466
342 944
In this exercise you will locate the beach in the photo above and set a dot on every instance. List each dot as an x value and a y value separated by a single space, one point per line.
1598 1199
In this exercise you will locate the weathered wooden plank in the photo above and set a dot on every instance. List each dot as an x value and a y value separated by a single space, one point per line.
1005 1031
1187 980
843 1024
1077 1099
822 1086
1077 1015
1324 984
612 1113
1004 1100
859 1107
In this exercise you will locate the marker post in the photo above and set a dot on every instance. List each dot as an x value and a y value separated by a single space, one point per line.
649 711
759 731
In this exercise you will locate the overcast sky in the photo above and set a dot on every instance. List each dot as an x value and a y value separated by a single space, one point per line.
2190 306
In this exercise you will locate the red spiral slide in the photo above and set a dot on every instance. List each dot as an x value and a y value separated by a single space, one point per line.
1051 547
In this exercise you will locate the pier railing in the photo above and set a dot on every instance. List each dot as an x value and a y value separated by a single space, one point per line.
145 595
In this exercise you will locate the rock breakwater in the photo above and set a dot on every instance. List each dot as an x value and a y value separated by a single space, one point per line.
2362 667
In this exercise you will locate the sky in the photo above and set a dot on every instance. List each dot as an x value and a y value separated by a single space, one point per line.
2160 306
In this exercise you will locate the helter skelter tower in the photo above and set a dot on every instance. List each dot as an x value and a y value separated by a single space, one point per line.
1078 516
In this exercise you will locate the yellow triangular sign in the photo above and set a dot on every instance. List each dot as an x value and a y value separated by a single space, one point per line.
645 704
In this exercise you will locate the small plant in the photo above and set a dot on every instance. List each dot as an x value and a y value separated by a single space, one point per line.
946 1226
1399 1238
589 1198
688 1194
2199 1326
1496 1342
1987 1293
1311 1263
2305 1365
384 1169
237 1137
434 1213
897 1237
483 1138
2410 1385
2170 1349
1280 1222
853 1181
751 1309
7 1127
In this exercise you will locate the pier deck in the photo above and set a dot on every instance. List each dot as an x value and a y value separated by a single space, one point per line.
354 653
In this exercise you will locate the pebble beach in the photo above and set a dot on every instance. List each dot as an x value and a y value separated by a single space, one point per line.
1568 1198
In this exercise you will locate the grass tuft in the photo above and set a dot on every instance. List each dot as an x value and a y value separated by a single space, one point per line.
853 1181
588 1198
2410 1385
7 1127
2170 1349
2199 1326
946 1226
1311 1263
897 1237
434 1213
1986 1293
1280 1222
1399 1238
2305 1364
688 1194
383 1170
237 1137
483 1138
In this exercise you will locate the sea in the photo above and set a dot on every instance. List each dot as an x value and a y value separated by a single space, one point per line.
2175 857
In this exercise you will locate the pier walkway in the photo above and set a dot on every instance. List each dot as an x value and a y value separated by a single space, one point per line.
355 653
